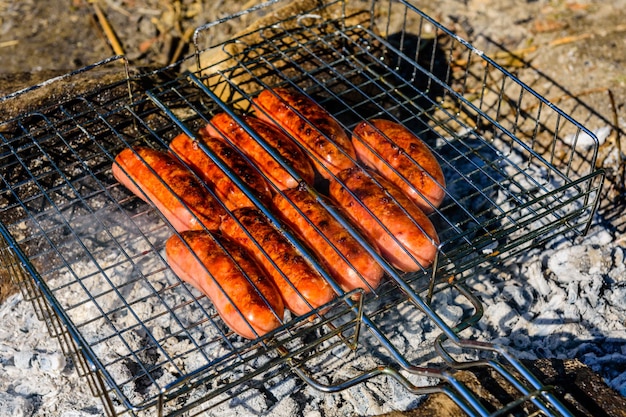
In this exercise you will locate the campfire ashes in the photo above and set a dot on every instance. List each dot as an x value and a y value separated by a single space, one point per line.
561 300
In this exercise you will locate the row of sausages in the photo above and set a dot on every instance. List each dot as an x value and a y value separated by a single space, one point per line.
242 261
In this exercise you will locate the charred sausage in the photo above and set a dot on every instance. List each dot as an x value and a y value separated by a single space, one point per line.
224 188
413 233
300 285
311 125
251 306
281 143
329 240
157 177
402 158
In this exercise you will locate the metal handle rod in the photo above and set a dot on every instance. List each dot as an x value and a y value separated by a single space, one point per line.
468 408
536 384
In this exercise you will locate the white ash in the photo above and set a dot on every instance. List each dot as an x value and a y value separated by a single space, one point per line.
35 378
564 301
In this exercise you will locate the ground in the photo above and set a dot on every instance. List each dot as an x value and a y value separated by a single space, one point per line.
573 52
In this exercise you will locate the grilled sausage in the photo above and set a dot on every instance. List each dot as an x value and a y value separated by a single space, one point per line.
303 213
300 285
402 158
249 306
414 232
224 188
312 126
157 177
281 143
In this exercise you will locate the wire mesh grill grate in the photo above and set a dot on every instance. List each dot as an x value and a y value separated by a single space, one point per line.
147 341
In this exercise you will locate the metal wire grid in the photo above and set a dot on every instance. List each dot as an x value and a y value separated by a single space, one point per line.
63 232
502 144
103 127
72 128
387 299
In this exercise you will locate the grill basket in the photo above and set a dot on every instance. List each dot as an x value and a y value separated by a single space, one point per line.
89 256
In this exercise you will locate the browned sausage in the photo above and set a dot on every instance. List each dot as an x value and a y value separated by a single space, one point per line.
360 270
311 125
281 143
224 188
403 159
414 232
159 178
300 285
249 310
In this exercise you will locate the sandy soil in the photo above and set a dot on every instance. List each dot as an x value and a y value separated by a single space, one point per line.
572 52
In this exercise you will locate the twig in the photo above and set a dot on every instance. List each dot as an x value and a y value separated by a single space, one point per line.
113 5
184 40
250 4
570 39
7 44
108 29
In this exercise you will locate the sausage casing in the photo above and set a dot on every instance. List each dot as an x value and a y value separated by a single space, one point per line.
413 233
329 240
224 188
311 125
300 285
281 143
249 306
157 177
402 158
